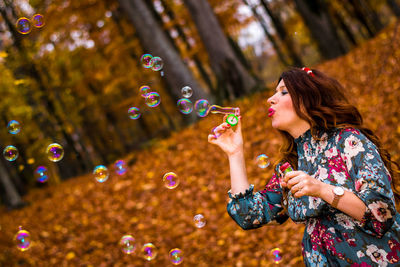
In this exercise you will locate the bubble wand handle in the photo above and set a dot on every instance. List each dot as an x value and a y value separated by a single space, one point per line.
233 113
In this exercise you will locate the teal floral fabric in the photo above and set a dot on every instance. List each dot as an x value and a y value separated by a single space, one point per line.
341 157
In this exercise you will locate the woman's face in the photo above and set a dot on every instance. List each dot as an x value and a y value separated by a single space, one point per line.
282 112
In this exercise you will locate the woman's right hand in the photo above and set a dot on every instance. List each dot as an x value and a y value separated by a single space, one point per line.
230 141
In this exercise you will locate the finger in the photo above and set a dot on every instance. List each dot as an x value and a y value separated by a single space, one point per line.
212 138
294 181
290 175
239 125
297 187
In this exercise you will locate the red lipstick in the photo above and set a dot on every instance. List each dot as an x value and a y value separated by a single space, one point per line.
271 112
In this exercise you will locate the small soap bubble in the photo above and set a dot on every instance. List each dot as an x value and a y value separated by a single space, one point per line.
22 239
276 255
149 251
170 180
55 152
187 92
144 90
185 106
23 25
146 61
153 99
41 174
262 161
127 244
120 167
38 20
157 63
134 113
14 127
201 107
101 173
176 256
10 153
199 221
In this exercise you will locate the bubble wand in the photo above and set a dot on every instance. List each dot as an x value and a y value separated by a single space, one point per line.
233 113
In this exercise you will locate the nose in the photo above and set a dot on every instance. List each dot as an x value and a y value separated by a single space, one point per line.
272 100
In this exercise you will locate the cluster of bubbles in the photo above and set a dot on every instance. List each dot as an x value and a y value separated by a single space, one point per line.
263 161
184 105
155 63
22 239
24 25
276 255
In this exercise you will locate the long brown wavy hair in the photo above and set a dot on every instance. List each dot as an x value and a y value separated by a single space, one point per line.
320 100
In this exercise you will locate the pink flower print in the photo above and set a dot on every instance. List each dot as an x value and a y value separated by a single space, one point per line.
353 146
363 264
360 184
345 221
377 255
380 210
392 255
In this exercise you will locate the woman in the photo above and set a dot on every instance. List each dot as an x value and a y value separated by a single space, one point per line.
341 186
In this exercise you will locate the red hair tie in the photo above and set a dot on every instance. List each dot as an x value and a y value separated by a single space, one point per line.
309 71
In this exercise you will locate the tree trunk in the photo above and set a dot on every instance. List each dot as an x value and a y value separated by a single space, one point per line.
230 72
12 198
394 7
318 21
155 41
282 33
341 23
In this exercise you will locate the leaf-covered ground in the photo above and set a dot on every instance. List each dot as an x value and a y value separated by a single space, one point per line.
80 222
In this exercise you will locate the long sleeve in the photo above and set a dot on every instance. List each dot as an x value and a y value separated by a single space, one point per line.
252 210
371 181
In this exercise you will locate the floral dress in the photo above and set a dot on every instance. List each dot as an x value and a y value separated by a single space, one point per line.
342 157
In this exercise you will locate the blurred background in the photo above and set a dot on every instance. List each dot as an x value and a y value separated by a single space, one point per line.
73 103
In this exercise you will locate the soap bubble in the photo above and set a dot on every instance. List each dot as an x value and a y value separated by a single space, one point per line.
157 63
101 173
120 167
185 106
127 244
201 107
10 153
199 221
22 239
23 25
41 174
152 99
146 61
276 255
170 180
187 92
149 251
176 256
55 152
144 90
38 20
14 127
262 161
134 113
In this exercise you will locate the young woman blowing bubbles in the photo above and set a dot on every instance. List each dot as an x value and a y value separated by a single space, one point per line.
341 186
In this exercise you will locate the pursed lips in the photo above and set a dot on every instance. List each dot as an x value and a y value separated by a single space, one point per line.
271 112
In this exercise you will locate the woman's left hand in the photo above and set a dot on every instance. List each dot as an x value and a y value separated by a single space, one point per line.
302 184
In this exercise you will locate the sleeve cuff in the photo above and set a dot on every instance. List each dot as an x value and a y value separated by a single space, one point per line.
248 192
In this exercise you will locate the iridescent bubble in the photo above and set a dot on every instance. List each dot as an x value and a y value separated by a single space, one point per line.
38 20
101 173
152 99
41 174
199 221
157 63
14 127
176 256
55 152
185 106
149 251
10 153
144 90
276 255
120 167
170 180
262 161
127 244
146 61
22 239
23 25
134 113
201 107
187 92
